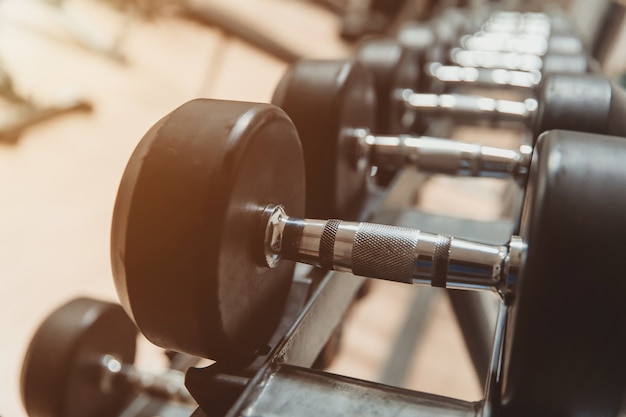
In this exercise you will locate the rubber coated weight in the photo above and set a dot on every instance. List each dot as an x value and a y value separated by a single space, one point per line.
432 40
60 372
395 69
585 103
325 100
420 40
191 194
567 335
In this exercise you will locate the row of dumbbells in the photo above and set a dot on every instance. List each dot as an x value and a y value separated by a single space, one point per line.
364 112
406 62
212 278
508 48
332 106
415 86
212 204
242 212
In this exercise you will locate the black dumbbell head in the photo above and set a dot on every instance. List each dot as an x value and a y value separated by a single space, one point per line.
326 101
61 371
394 69
583 102
565 346
188 205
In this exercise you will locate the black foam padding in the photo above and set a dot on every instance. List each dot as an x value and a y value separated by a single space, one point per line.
566 336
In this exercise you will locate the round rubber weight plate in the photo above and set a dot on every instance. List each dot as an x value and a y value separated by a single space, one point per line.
186 227
580 102
326 99
565 346
60 373
395 69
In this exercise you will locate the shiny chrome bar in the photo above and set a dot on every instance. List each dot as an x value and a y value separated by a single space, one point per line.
517 28
388 252
460 105
505 42
522 43
483 77
503 60
170 384
538 24
444 156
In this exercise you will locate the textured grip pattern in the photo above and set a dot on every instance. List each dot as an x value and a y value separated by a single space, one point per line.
441 259
327 243
384 252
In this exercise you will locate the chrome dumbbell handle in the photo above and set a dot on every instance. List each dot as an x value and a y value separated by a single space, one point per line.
519 24
441 156
390 252
465 105
483 77
528 44
170 384
505 42
503 60
509 41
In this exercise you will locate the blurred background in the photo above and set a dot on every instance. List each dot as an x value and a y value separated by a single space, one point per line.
95 75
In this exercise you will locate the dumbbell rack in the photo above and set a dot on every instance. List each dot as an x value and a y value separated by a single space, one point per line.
282 382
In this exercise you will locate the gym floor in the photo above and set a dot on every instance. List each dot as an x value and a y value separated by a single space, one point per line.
58 182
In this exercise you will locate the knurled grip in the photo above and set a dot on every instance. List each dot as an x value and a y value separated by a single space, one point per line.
441 257
384 252
327 243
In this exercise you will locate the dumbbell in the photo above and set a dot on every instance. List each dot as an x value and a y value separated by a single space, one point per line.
79 364
487 68
550 31
209 214
395 75
519 43
333 105
528 34
447 30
